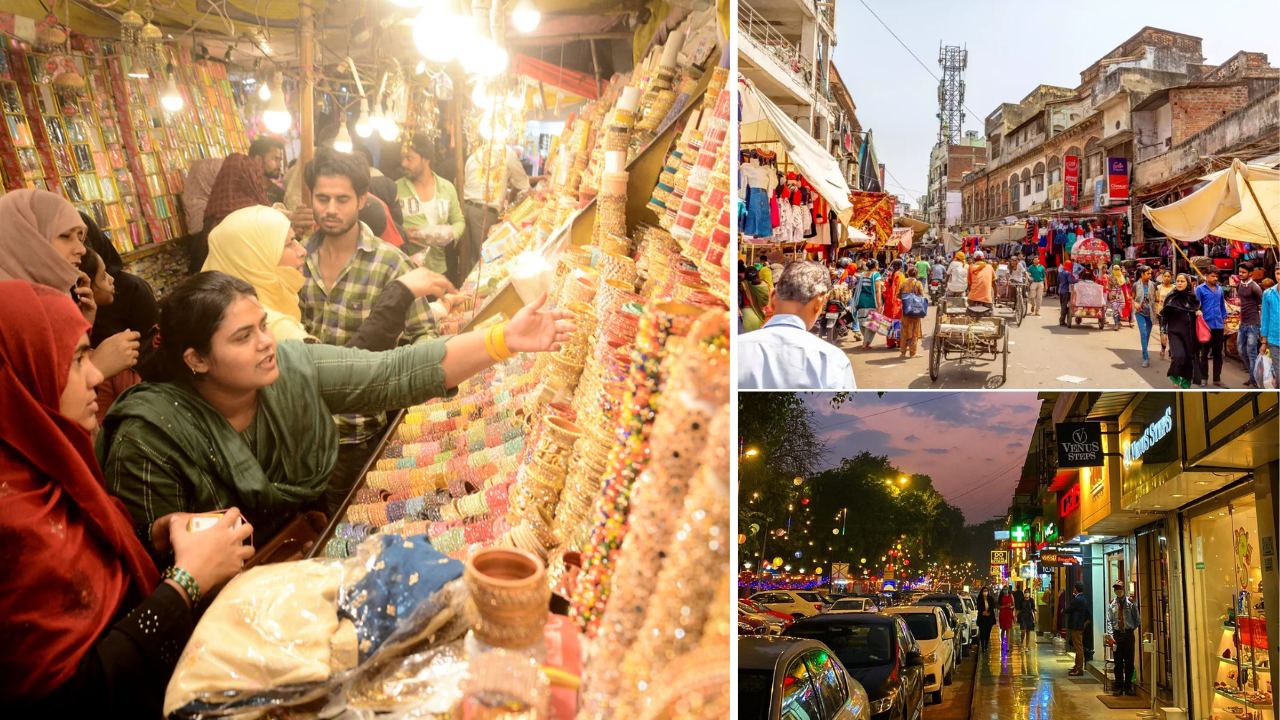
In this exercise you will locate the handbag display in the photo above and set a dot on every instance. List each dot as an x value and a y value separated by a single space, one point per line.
292 542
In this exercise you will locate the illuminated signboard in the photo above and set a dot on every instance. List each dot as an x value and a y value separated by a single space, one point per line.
1079 444
1020 533
1154 433
1150 445
1015 545
1069 502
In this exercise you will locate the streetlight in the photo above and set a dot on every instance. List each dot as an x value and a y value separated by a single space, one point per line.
902 481
751 452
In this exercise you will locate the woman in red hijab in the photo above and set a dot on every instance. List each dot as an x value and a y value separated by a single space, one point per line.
86 621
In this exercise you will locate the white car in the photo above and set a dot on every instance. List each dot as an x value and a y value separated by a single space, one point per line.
796 603
971 610
853 605
929 627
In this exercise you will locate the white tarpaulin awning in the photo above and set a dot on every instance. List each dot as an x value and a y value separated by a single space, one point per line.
764 121
1005 234
951 242
856 236
1225 207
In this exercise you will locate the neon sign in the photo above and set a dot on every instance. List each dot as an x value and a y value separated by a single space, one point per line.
1070 501
1154 433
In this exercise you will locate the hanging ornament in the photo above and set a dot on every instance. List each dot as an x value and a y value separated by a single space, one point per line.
150 51
69 86
131 29
50 37
442 87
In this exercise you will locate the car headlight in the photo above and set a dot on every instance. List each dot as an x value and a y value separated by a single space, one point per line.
884 704
931 658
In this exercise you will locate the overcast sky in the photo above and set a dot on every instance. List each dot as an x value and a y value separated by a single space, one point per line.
972 444
1013 47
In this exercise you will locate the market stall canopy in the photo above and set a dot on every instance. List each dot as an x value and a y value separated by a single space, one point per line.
951 242
1225 207
916 225
856 236
901 238
1004 234
764 121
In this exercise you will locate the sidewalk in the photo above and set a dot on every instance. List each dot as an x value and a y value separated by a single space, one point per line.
1033 685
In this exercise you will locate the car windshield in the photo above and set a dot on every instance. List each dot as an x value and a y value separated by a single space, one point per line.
850 604
955 603
809 597
968 604
754 690
924 626
857 646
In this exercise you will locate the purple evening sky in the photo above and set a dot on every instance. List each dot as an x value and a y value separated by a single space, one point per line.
972 444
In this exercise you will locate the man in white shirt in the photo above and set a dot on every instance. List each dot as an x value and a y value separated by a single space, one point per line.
482 216
957 277
784 355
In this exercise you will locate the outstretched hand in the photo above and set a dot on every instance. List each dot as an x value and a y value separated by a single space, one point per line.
536 330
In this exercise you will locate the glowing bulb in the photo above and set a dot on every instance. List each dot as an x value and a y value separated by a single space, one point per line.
389 130
364 126
342 143
171 99
264 92
439 33
525 16
378 119
276 117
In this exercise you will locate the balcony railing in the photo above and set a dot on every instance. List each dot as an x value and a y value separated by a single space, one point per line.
766 37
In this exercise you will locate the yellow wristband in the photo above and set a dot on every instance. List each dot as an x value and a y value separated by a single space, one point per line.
500 342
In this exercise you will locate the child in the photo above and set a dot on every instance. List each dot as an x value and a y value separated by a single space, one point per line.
117 354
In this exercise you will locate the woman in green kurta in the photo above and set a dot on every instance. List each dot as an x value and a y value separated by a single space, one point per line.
248 421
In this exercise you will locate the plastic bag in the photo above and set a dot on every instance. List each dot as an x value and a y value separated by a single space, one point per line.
531 275
1264 372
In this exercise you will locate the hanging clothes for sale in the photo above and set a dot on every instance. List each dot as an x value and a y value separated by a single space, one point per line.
757 184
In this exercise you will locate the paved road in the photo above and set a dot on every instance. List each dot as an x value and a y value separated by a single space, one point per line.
1040 352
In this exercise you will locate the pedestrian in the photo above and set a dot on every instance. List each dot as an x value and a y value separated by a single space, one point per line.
1213 309
1144 292
1250 294
892 299
981 279
957 277
866 298
1036 273
1162 293
1027 617
1122 615
1078 618
1270 338
1181 308
986 617
911 332
1065 280
1116 297
1006 617
755 297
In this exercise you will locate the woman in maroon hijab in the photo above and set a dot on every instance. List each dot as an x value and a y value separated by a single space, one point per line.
239 184
86 621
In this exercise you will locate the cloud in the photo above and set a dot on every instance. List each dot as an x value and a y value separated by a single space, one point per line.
1015 444
911 438
937 451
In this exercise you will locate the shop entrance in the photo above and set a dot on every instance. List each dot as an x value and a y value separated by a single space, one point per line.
1153 605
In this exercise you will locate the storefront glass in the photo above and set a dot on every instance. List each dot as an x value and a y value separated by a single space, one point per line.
1227 619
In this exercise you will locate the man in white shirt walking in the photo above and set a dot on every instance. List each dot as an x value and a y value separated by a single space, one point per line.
480 215
784 355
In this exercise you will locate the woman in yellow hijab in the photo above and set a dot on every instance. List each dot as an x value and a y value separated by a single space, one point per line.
257 245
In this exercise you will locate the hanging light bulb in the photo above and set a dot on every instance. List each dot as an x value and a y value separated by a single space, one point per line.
378 119
137 68
389 130
525 16
342 143
364 125
440 32
171 99
264 92
276 117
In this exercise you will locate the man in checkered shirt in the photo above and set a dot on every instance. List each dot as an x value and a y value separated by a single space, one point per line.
346 269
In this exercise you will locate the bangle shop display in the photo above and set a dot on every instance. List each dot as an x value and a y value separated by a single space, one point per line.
497 559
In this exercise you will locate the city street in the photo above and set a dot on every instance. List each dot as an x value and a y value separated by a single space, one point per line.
1033 683
1042 355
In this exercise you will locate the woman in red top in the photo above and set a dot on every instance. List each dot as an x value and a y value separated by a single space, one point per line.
1006 616
892 300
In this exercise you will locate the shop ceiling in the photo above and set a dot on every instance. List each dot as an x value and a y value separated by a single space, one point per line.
366 30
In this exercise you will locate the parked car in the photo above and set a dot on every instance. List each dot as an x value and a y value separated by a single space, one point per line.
963 624
971 609
959 639
928 625
879 652
787 677
853 605
774 622
796 603
750 625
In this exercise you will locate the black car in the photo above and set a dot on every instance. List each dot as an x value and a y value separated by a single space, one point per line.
879 651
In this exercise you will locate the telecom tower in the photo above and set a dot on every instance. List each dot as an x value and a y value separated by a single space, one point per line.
953 59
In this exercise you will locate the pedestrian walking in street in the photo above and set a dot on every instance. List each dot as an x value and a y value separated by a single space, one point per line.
754 299
1122 615
893 300
1116 297
1270 338
1247 340
1179 313
1006 617
1144 292
1162 293
986 617
1027 618
914 309
1213 308
1066 278
866 298
1078 618
982 278
957 277
1036 273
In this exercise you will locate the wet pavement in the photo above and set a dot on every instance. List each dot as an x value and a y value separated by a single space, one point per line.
1032 684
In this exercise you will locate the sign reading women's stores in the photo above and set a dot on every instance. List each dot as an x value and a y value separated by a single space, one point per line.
1079 444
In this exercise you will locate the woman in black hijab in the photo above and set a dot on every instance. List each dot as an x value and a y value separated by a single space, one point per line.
1181 308
135 306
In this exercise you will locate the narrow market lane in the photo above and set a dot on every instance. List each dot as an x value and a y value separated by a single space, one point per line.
1032 683
1042 355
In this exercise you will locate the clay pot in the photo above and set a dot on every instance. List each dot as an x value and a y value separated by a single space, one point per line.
509 595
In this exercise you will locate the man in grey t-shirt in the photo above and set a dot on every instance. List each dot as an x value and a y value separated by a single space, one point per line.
1250 294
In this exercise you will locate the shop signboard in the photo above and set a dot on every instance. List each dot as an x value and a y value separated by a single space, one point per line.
1099 188
1117 179
1079 444
1071 180
840 572
1149 445
999 557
